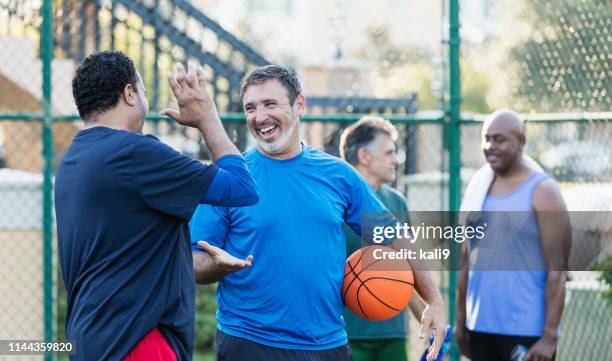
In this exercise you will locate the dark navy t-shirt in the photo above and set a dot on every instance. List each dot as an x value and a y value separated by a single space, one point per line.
123 201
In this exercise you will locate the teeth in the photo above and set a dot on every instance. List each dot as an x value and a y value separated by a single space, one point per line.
265 130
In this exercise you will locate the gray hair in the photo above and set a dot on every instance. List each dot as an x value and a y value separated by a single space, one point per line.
362 134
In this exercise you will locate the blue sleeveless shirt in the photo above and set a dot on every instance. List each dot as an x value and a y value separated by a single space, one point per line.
507 277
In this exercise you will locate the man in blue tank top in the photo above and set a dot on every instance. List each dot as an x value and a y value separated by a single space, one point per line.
512 283
280 263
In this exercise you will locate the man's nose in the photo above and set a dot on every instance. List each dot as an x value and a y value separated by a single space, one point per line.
260 115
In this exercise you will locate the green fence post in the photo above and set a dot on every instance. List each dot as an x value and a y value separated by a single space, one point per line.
46 54
454 148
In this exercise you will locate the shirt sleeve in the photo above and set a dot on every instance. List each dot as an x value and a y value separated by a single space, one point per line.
210 224
232 185
365 213
166 180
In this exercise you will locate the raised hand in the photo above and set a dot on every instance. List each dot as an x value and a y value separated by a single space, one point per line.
196 107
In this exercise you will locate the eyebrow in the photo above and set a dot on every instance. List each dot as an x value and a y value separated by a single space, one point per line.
261 101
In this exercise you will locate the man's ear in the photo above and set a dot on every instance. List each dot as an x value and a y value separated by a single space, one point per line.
521 138
129 95
300 104
363 156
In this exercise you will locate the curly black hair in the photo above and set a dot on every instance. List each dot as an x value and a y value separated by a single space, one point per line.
100 81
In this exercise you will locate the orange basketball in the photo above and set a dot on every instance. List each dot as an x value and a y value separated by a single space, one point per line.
378 283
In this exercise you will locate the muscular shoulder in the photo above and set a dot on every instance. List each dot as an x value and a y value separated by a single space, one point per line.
547 196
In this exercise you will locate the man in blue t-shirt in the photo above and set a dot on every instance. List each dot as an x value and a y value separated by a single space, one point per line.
123 200
287 305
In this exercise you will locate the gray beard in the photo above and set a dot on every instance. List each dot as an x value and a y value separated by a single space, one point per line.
276 146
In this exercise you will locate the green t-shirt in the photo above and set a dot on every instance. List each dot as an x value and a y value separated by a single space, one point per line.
356 327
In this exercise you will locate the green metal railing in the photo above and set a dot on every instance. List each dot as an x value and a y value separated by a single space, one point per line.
454 151
46 51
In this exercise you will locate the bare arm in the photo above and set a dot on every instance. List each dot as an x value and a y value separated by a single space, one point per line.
461 335
214 263
416 307
197 109
434 315
555 239
424 284
204 269
555 297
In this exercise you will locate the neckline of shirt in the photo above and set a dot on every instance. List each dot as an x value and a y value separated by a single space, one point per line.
515 191
284 161
102 128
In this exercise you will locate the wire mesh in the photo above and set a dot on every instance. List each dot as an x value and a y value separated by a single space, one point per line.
384 57
21 259
577 155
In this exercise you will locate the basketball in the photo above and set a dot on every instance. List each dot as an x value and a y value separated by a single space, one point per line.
378 283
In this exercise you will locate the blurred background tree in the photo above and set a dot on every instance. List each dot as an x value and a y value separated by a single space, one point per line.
564 64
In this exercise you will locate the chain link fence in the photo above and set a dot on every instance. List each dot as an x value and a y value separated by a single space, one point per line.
551 57
354 57
577 154
21 259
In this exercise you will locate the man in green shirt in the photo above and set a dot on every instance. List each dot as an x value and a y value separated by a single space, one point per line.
369 146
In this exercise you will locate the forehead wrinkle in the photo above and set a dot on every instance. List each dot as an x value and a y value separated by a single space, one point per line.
259 99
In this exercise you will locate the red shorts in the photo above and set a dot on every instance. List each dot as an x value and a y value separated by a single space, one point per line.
153 347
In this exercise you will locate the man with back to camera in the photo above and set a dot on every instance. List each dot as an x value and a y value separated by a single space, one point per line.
123 201
369 146
501 306
287 304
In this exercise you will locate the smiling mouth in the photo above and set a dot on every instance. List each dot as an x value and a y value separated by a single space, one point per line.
267 130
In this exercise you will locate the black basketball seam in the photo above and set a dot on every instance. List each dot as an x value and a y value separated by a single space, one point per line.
389 279
376 297
350 283
359 260
356 276
373 295
359 302
352 269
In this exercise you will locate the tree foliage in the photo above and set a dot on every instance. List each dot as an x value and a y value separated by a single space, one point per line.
565 63
605 267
